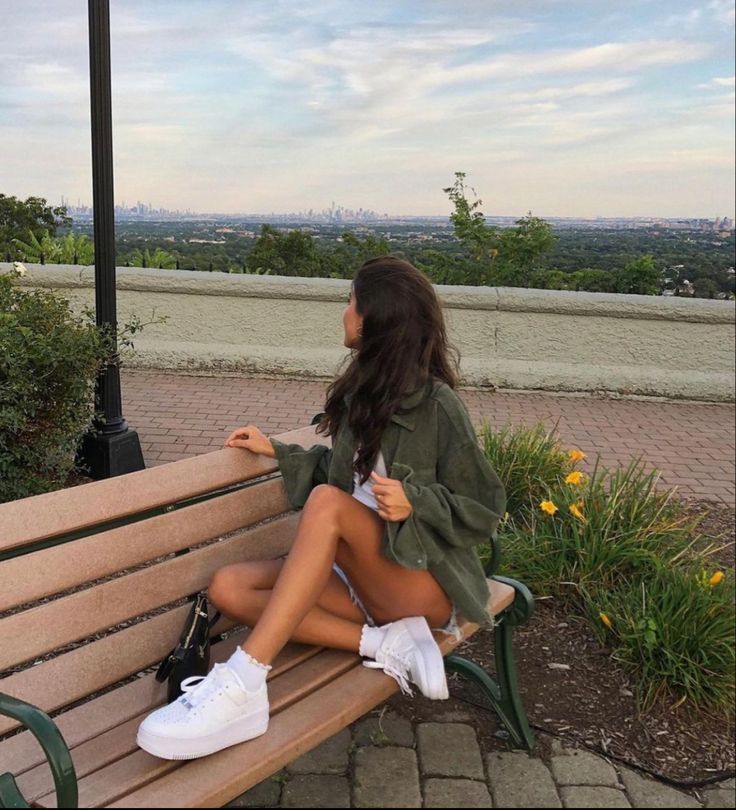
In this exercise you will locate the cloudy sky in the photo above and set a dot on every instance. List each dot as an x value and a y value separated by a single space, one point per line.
562 107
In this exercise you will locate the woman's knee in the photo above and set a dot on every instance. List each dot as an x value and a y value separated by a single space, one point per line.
325 501
228 584
325 496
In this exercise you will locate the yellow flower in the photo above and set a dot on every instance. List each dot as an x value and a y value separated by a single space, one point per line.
576 455
716 578
606 620
548 507
576 510
575 478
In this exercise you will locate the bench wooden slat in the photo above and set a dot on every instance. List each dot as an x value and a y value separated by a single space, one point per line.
21 753
43 516
53 570
215 780
32 633
71 677
286 687
76 674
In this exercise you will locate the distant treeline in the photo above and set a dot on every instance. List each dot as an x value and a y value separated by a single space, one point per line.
471 252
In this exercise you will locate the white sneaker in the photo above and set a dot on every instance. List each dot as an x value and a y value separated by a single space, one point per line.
214 712
410 653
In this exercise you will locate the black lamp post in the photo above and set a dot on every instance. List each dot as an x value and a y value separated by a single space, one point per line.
112 448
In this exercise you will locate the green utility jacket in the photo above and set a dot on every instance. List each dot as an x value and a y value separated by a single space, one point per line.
457 499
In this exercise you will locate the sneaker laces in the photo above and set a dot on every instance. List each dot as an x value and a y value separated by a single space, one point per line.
200 687
396 666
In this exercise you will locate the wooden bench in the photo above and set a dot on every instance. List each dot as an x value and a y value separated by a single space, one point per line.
93 582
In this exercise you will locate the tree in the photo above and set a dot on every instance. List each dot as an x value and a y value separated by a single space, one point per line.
352 251
19 218
503 257
593 280
552 280
470 223
293 253
706 288
69 249
639 277
521 247
155 258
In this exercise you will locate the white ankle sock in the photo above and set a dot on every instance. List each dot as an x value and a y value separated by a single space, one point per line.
370 640
251 672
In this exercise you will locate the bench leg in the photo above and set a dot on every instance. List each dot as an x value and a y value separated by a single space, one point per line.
504 695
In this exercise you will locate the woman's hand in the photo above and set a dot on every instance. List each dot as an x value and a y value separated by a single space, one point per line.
393 505
250 438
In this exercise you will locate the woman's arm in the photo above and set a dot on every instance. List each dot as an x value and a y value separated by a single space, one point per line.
302 469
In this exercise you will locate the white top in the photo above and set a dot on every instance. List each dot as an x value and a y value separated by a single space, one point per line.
364 492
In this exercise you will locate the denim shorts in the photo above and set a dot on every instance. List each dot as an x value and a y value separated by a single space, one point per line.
451 628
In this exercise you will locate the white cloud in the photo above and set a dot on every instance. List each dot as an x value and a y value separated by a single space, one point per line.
723 10
272 106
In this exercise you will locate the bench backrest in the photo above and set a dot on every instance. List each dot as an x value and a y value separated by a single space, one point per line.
109 566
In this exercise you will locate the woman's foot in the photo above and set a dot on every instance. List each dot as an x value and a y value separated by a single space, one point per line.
409 653
211 715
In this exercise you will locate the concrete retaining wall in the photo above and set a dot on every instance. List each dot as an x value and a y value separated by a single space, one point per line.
508 337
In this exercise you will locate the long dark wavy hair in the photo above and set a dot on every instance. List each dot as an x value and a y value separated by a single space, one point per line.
403 346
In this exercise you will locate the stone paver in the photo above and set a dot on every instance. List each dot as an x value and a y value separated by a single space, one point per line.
386 729
723 796
386 777
449 749
456 793
692 443
331 756
264 794
587 796
645 792
518 780
316 791
583 768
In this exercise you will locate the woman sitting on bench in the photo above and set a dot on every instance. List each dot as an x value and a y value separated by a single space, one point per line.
384 549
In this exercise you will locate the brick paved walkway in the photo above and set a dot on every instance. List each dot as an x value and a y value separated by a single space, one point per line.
387 761
692 443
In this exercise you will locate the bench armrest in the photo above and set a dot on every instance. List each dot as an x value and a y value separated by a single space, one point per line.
522 608
49 737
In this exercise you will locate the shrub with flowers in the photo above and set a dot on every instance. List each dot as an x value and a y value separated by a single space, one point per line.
606 543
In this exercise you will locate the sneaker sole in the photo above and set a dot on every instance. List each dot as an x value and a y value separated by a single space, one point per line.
238 731
432 677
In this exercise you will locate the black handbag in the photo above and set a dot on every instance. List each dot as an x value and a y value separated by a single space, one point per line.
191 656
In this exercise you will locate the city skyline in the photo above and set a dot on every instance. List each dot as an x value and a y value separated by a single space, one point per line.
340 212
572 109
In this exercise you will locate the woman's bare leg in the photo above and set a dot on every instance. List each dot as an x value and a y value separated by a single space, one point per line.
243 590
336 527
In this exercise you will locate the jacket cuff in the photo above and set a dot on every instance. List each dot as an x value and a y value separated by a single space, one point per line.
297 466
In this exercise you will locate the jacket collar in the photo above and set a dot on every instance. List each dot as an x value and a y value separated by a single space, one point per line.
406 414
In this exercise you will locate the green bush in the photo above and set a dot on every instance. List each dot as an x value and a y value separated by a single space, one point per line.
49 360
612 547
675 631
605 529
527 460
